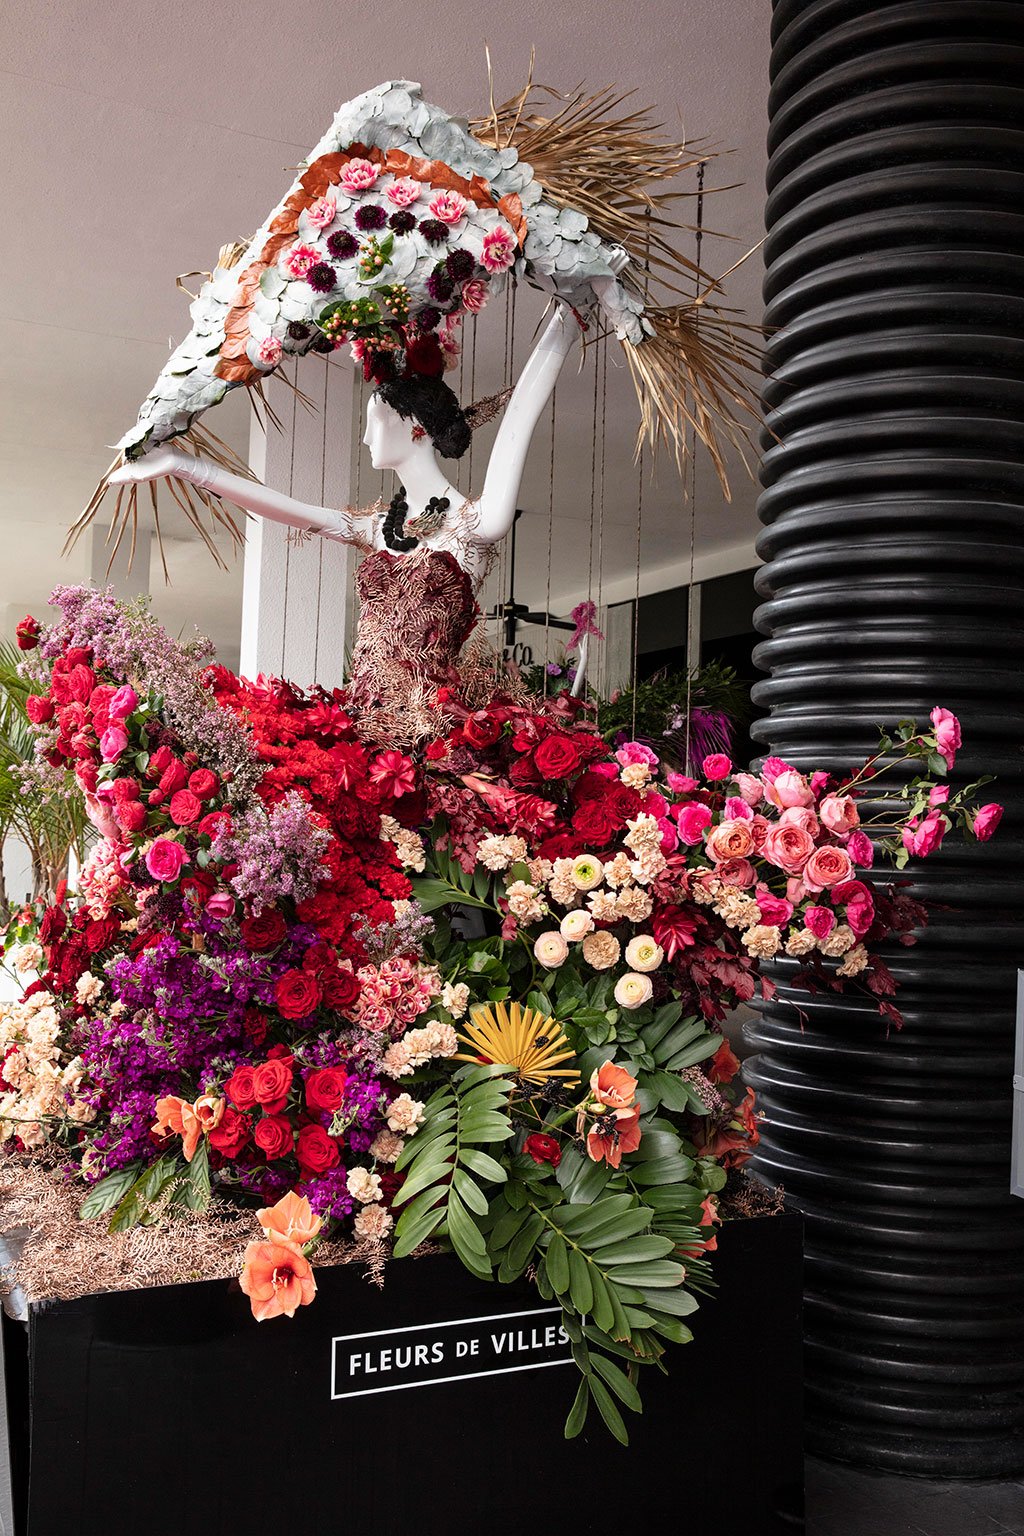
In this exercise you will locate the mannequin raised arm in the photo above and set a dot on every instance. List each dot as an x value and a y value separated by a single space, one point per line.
248 494
497 504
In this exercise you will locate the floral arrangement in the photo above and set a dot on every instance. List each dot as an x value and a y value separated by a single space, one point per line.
267 987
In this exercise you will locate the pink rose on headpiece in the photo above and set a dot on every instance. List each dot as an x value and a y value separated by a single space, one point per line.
839 813
859 903
475 294
861 849
738 809
499 250
299 260
269 352
750 787
923 838
403 191
788 848
692 819
448 207
772 767
112 743
789 788
801 816
358 175
323 211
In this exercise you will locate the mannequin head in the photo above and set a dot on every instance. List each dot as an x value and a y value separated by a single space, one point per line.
409 417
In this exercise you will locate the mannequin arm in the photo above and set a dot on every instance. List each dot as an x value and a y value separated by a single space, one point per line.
508 457
248 494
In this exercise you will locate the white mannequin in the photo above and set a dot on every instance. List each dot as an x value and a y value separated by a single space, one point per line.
394 444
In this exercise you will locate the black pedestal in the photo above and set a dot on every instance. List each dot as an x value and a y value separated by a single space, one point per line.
166 1410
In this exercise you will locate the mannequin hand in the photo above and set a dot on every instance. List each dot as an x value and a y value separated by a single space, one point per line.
154 465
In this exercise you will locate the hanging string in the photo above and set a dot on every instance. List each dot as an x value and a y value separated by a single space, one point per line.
320 541
551 529
693 479
640 501
600 516
593 482
288 537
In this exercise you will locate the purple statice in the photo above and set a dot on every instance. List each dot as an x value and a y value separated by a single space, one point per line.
329 1194
126 1137
365 1101
129 642
407 935
279 853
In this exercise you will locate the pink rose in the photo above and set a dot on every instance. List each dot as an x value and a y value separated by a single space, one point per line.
820 920
358 175
788 848
826 867
923 839
403 191
123 702
986 820
692 820
636 752
839 813
818 782
322 211
716 766
220 906
112 743
938 795
774 910
448 207
475 294
669 835
801 816
750 787
499 249
738 872
680 783
861 849
759 831
738 809
165 860
947 734
790 788
859 903
729 840
772 767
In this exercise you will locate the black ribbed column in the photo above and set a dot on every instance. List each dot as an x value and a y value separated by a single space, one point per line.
893 506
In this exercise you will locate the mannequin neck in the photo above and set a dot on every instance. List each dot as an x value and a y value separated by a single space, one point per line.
422 476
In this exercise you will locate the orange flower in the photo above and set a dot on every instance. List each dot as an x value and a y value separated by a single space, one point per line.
291 1220
277 1279
617 1132
177 1117
613 1086
209 1111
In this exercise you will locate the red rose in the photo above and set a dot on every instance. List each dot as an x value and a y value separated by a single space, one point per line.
130 815
185 808
203 783
271 1082
325 1089
173 778
523 771
53 925
341 990
265 931
542 1148
274 1136
423 355
239 1087
159 760
100 934
125 789
557 757
28 633
214 823
81 682
298 994
232 1134
481 729
316 1151
39 708
596 821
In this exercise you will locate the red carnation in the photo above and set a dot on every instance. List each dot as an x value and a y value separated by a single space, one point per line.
274 1136
298 994
264 931
53 925
316 1151
596 821
325 1089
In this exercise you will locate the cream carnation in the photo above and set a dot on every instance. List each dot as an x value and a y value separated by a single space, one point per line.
455 997
386 1147
27 958
88 987
644 953
839 941
632 991
551 950
635 775
801 943
762 941
363 1185
633 904
603 906
405 1115
601 950
500 852
855 961
373 1222
524 902
618 871
576 925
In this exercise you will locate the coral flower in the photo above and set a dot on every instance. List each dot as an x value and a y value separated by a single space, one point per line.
277 1279
617 1132
177 1117
291 1220
613 1086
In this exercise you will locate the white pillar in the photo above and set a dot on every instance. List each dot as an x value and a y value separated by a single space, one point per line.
295 587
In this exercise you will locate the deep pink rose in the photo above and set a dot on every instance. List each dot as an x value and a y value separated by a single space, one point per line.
165 860
772 767
692 819
986 820
938 794
818 782
112 743
947 734
123 702
220 906
716 766
669 835
788 789
826 867
839 813
738 809
861 849
923 839
859 903
680 783
820 920
185 808
738 872
788 848
774 910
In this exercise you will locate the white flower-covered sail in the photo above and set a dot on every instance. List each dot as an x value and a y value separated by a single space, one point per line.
400 222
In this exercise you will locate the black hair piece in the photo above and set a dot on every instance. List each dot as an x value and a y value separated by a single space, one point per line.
436 408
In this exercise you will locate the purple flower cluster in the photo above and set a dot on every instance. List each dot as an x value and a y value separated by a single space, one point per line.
279 853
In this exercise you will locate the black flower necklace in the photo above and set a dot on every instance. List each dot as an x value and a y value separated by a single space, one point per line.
429 521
